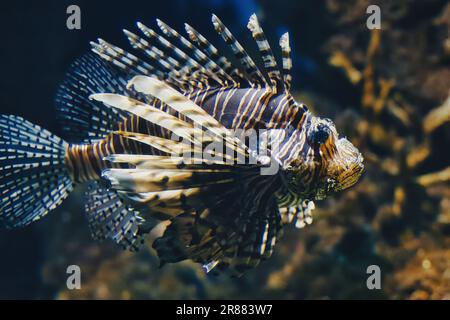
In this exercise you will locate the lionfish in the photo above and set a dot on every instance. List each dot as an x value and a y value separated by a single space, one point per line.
131 119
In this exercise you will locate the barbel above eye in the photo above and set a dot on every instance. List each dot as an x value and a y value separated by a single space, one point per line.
320 134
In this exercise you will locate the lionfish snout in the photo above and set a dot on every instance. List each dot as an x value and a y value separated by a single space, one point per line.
347 165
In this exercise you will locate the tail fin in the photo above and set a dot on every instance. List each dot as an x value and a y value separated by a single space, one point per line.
33 175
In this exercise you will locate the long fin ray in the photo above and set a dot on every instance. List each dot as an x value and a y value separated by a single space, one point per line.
109 217
147 112
219 75
84 120
270 63
241 54
147 180
214 54
190 67
34 177
287 60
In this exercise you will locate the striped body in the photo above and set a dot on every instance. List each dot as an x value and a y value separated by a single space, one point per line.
233 107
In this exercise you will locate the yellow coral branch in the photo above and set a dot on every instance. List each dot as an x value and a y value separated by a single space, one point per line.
437 117
435 177
339 60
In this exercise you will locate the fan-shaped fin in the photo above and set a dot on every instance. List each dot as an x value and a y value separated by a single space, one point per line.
189 67
109 217
82 119
33 174
235 236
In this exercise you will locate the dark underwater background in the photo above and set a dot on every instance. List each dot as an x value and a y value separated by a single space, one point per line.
387 90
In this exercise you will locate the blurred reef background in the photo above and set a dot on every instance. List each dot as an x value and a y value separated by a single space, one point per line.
388 90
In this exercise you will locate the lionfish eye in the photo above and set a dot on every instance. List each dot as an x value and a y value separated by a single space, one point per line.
320 134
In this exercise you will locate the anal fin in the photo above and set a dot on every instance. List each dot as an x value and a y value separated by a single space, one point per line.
110 218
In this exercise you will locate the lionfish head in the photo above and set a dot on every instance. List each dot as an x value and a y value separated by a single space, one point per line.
328 163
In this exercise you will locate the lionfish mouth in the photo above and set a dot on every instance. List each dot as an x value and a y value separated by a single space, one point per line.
347 164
